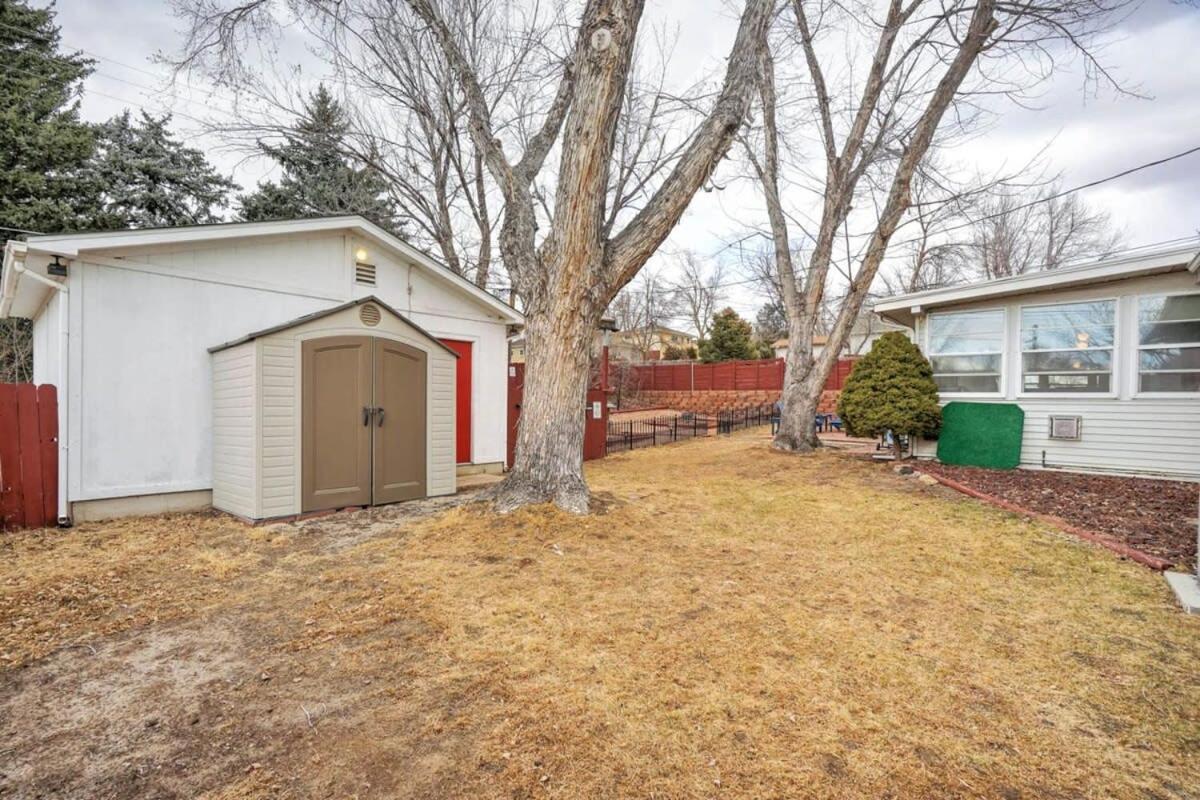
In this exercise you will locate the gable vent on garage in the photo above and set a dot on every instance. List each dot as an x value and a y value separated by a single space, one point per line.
369 314
364 274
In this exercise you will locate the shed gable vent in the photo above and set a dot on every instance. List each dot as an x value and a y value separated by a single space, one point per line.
364 274
369 314
1066 427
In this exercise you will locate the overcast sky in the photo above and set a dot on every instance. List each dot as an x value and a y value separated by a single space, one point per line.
1084 136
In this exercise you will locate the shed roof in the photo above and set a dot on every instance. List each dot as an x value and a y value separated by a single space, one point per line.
325 312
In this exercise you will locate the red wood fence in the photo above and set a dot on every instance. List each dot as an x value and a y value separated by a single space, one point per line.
28 455
595 432
763 374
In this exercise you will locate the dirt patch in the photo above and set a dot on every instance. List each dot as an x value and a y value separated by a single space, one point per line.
733 625
1154 516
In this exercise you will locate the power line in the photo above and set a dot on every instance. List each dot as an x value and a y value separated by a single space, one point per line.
211 91
1058 195
133 103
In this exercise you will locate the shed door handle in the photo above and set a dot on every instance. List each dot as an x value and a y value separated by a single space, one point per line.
379 416
367 415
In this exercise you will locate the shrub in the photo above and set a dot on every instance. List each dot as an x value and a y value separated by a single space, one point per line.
891 388
678 353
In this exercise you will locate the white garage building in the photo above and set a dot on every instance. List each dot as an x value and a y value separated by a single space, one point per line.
132 326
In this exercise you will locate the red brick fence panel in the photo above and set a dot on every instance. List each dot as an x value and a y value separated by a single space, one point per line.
28 455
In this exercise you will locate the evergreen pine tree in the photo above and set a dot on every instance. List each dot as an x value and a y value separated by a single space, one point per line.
891 388
318 180
729 339
147 178
43 143
43 146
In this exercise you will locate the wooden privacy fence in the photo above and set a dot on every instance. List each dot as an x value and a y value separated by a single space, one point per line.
763 374
595 415
28 455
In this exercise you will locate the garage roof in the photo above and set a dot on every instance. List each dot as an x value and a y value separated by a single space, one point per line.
325 312
71 245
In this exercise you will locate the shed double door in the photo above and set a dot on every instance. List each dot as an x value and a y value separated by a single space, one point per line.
362 421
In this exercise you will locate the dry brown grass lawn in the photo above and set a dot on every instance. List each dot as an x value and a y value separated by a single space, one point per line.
734 624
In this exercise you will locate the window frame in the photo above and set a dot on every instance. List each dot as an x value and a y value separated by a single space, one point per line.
1138 347
1116 372
1002 376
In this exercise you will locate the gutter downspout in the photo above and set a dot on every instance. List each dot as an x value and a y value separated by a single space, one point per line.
64 332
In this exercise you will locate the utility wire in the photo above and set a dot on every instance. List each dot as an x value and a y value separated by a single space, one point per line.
1056 196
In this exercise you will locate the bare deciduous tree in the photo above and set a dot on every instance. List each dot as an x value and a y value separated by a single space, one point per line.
643 307
406 108
998 232
698 291
16 351
1016 235
876 127
567 272
571 276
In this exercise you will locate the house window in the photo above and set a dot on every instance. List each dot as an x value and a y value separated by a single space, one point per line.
966 349
1169 343
1068 347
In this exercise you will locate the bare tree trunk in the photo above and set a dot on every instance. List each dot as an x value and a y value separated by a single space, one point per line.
549 458
797 431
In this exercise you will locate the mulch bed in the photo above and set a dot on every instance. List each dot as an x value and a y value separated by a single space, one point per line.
1154 516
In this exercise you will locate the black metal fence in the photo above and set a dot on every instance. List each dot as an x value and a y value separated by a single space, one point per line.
667 428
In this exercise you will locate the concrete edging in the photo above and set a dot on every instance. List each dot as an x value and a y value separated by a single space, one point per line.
1102 539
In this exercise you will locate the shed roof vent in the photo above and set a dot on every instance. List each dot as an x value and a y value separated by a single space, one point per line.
369 314
364 273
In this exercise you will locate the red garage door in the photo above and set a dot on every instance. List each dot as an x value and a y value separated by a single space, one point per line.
462 411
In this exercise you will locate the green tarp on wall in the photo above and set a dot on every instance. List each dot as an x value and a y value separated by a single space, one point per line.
981 435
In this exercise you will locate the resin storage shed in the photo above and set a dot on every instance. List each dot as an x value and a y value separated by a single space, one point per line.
349 406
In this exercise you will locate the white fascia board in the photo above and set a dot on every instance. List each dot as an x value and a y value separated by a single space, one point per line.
70 245
13 250
1165 261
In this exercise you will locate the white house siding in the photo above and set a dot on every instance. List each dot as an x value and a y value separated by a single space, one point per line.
139 416
140 378
280 406
442 311
235 416
1125 432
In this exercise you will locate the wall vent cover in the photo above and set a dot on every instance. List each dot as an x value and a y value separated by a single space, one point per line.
369 314
1066 428
364 274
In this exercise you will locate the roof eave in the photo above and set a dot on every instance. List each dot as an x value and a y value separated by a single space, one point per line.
1040 281
69 245
9 276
